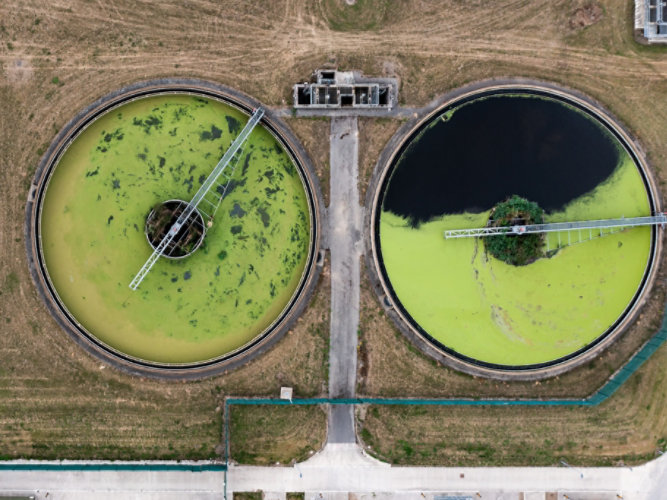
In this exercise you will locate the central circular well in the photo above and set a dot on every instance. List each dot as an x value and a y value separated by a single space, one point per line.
449 173
189 237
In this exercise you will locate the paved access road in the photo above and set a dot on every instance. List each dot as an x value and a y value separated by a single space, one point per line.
343 472
346 244
343 468
112 484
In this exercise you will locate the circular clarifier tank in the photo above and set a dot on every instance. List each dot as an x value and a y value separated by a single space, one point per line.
451 170
100 199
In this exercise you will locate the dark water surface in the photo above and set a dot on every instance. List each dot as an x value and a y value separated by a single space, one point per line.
493 147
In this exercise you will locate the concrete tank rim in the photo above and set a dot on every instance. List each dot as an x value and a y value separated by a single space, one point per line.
228 361
421 339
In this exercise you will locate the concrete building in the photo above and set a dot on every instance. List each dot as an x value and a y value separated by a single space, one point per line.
651 20
333 89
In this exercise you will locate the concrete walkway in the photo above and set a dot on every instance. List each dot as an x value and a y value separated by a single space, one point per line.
341 470
112 485
336 472
346 245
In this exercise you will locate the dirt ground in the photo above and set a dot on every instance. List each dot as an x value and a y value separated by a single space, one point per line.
313 133
56 57
374 134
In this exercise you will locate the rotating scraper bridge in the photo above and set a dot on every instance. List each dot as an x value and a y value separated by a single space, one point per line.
594 228
209 195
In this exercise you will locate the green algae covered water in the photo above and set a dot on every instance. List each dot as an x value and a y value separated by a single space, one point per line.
482 308
229 291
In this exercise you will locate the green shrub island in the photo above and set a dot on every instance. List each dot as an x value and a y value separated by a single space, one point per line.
515 249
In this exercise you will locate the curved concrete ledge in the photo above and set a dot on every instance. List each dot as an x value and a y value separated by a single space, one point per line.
85 339
401 318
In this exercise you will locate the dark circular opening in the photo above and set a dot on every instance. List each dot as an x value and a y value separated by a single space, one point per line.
189 235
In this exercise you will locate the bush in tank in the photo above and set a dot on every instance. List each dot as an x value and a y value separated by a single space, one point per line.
515 249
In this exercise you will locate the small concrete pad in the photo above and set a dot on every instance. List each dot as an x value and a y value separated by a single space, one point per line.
286 393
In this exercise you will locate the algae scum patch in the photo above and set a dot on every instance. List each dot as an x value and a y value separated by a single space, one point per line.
451 175
218 299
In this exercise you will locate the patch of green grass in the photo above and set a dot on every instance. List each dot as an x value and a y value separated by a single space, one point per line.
247 495
481 450
11 283
265 435
363 15
366 435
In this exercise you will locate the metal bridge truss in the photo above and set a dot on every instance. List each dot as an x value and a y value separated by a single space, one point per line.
209 196
582 230
211 200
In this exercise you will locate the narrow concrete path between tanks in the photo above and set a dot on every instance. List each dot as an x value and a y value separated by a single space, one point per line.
346 246
341 424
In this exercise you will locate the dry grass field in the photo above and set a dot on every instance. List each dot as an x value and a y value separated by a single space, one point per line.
56 57
629 428
313 133
266 435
